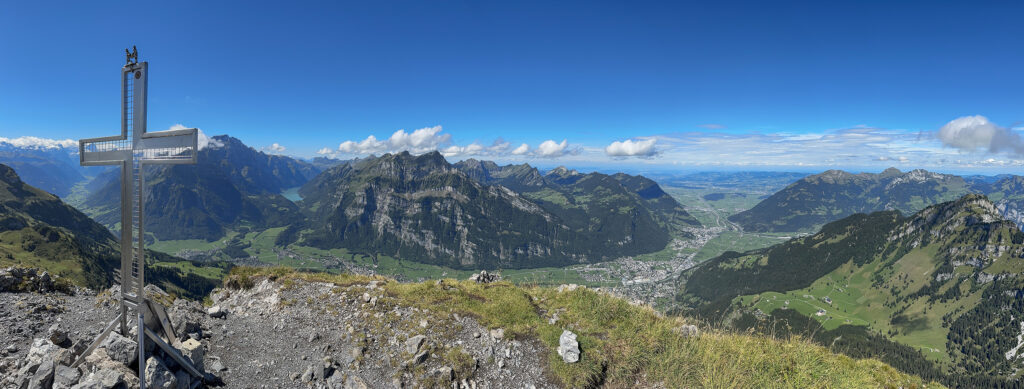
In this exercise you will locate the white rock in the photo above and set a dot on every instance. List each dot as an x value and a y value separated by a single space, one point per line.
568 347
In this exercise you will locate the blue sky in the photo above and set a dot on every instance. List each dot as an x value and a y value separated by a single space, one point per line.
720 85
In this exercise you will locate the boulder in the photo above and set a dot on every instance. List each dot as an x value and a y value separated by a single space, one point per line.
41 349
158 376
568 347
44 376
102 379
64 377
121 349
193 350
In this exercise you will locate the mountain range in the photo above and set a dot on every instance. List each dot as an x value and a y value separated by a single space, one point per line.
476 214
52 168
945 282
232 186
810 202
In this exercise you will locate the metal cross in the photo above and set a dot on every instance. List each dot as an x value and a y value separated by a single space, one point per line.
132 150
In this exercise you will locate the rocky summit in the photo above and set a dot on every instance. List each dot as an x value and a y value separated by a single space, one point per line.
279 328
272 334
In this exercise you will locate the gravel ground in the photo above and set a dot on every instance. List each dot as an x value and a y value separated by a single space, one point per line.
303 335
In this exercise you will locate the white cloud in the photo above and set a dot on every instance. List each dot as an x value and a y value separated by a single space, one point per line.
522 149
977 133
498 147
31 142
551 149
460 151
418 142
429 139
325 151
629 148
275 148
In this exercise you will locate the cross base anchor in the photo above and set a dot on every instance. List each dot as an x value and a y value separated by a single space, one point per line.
157 311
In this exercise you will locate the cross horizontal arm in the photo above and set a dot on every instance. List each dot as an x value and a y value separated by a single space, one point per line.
162 147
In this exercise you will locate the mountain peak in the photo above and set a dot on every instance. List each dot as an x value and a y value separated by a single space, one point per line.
8 175
563 171
891 172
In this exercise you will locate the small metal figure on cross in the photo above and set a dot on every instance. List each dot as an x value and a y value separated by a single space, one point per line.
131 56
132 150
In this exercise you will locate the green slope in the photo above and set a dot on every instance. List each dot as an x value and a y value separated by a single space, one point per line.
943 282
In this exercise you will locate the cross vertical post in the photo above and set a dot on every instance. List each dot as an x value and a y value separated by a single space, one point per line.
134 149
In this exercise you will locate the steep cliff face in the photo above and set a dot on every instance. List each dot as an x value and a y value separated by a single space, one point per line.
466 215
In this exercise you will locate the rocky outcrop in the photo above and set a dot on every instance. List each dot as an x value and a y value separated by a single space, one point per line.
483 277
23 279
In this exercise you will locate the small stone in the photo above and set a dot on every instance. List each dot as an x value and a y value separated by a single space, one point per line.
12 349
357 352
688 330
508 353
217 312
413 344
423 323
476 334
501 363
307 377
336 380
366 297
57 336
217 366
313 337
568 288
498 333
568 347
355 382
295 376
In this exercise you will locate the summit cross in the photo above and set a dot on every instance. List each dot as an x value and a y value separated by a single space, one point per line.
132 150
